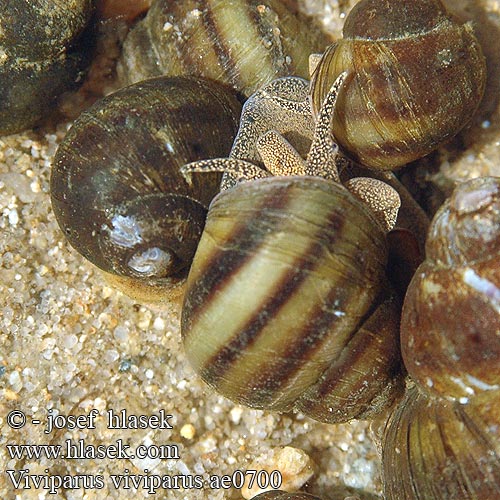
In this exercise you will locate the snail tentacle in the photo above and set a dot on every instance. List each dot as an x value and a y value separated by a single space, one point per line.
382 199
321 159
241 170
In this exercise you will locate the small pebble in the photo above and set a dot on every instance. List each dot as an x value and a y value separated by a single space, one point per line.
294 465
188 431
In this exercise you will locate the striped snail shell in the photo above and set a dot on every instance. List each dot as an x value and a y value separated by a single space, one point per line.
416 78
245 43
443 441
284 495
434 449
40 57
286 303
116 188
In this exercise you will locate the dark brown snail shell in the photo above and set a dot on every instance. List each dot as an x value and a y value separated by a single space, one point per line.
450 327
285 305
127 10
245 43
39 57
416 78
442 450
116 188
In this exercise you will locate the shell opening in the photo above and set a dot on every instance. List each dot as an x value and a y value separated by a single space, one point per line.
151 262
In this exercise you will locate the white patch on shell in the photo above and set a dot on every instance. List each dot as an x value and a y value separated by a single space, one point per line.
482 385
463 385
483 286
431 288
125 231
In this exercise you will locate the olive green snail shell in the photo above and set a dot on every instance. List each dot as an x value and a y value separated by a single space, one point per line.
116 188
279 297
442 450
284 495
41 56
245 43
416 78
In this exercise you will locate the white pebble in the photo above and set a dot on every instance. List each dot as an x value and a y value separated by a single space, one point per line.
235 414
111 355
121 333
13 217
15 381
70 341
159 324
188 431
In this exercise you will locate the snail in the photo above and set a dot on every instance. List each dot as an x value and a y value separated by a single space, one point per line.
415 79
245 43
116 189
439 449
443 441
42 54
286 303
284 495
448 354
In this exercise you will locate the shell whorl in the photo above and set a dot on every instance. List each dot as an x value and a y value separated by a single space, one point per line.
244 43
271 289
116 187
450 324
414 81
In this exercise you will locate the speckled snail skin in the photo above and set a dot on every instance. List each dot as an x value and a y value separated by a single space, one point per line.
39 57
443 441
116 188
416 78
245 43
286 303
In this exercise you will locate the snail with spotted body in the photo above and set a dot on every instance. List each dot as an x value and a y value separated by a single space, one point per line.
443 441
287 305
415 79
116 188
